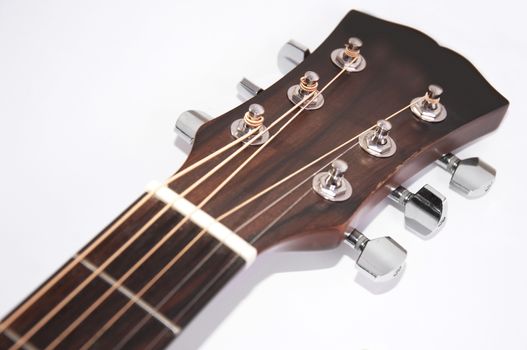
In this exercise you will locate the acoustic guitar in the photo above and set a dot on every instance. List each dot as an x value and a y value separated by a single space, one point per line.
299 165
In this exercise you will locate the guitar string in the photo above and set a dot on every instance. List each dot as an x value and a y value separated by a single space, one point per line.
199 206
88 311
139 233
23 339
107 232
278 183
38 294
194 269
252 241
169 265
125 216
153 220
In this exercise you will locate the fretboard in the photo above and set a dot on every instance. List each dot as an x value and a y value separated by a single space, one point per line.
145 310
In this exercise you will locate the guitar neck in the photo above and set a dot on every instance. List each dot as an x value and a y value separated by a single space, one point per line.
125 296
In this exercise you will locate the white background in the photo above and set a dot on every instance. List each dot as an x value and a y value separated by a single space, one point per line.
89 93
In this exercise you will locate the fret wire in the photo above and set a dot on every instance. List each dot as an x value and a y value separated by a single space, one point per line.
152 311
171 293
83 284
13 336
139 294
199 294
61 273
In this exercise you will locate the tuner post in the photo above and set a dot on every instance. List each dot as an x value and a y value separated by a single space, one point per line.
252 119
307 86
428 107
349 57
377 141
332 185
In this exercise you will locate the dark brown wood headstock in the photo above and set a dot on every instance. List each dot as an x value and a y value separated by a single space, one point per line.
401 63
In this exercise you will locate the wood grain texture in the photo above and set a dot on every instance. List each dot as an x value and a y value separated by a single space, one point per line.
401 62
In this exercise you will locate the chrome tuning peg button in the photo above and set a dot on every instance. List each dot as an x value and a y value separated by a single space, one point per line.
380 259
471 177
428 107
247 89
349 57
188 123
332 185
291 55
424 211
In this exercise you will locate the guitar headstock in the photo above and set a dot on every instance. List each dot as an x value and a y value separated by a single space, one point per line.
389 102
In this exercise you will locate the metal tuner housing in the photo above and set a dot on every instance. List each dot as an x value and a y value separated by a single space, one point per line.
381 259
424 211
471 177
291 55
188 123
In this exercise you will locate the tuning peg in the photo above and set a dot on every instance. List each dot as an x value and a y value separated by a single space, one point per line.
424 211
428 107
188 123
349 57
380 259
247 89
471 177
291 55
252 119
332 185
